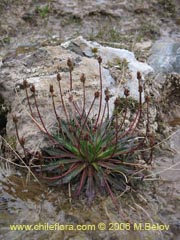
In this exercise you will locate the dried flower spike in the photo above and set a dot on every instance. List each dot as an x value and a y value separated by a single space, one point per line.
58 77
51 89
96 94
25 84
147 99
106 92
117 102
107 98
70 64
126 92
15 119
33 89
83 78
99 58
139 76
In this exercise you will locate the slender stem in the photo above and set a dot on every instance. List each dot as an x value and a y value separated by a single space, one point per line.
107 109
21 141
70 76
62 100
140 105
85 121
17 134
116 127
105 106
54 108
42 122
133 149
140 109
77 138
27 96
31 112
116 136
100 99
84 101
40 117
151 140
147 125
136 119
140 97
124 118
76 108
130 127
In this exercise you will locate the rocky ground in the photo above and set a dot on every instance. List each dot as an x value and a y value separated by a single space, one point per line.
127 23
30 36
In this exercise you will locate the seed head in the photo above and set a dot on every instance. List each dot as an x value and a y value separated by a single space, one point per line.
147 99
83 78
25 84
70 64
99 58
33 89
15 119
139 76
106 92
96 94
107 98
51 89
126 92
117 102
58 77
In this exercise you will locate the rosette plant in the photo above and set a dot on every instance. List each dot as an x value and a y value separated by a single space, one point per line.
95 154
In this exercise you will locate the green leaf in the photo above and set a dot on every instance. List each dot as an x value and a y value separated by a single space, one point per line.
67 145
53 151
59 163
67 178
82 181
106 153
95 165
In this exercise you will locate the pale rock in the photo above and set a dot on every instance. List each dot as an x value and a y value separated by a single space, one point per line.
165 56
109 54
